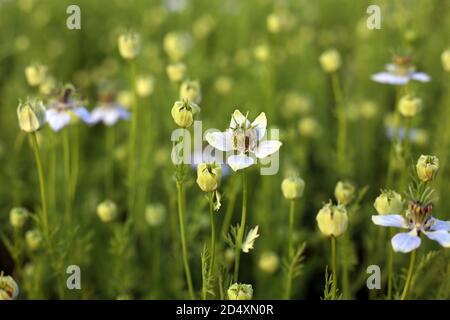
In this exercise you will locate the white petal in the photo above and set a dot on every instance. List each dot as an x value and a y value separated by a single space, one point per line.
389 78
220 140
250 239
389 220
239 162
83 114
441 236
440 225
405 242
97 115
238 119
57 120
123 113
260 124
420 76
266 148
110 117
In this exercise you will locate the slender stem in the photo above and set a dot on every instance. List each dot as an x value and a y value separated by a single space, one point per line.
390 263
66 151
232 195
407 152
341 144
412 261
241 226
109 176
132 141
334 264
291 228
37 155
183 239
213 234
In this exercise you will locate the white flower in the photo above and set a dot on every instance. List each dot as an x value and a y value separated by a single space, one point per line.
252 235
400 72
108 112
244 138
63 107
418 220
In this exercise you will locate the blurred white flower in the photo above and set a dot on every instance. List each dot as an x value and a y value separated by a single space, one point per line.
108 111
400 72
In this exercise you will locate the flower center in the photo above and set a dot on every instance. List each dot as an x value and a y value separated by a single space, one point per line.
419 215
244 140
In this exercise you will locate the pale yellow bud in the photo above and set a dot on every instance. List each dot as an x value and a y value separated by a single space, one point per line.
332 220
35 74
223 85
176 45
31 115
368 110
129 45
176 71
33 239
274 23
145 85
190 90
269 262
183 113
409 106
240 291
9 290
262 53
155 214
309 127
344 192
208 176
445 59
293 187
426 167
330 60
295 104
47 86
107 211
125 98
18 217
389 202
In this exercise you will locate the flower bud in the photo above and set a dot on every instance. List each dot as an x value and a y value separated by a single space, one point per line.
388 202
33 238
107 211
240 291
262 53
293 188
145 86
176 45
35 74
445 58
409 106
332 220
155 214
223 85
9 290
426 167
269 262
176 71
309 127
18 217
129 45
190 90
31 115
47 86
330 60
208 176
274 23
125 98
344 192
183 113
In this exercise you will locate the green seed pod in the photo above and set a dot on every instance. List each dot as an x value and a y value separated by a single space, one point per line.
240 291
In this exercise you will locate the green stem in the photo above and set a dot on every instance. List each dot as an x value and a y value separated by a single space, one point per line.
183 239
341 144
241 226
390 263
213 234
44 217
334 264
407 152
109 176
66 151
291 228
412 261
132 141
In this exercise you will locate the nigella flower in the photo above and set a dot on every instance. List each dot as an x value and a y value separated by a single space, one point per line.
418 220
63 107
400 133
400 72
108 111
245 139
